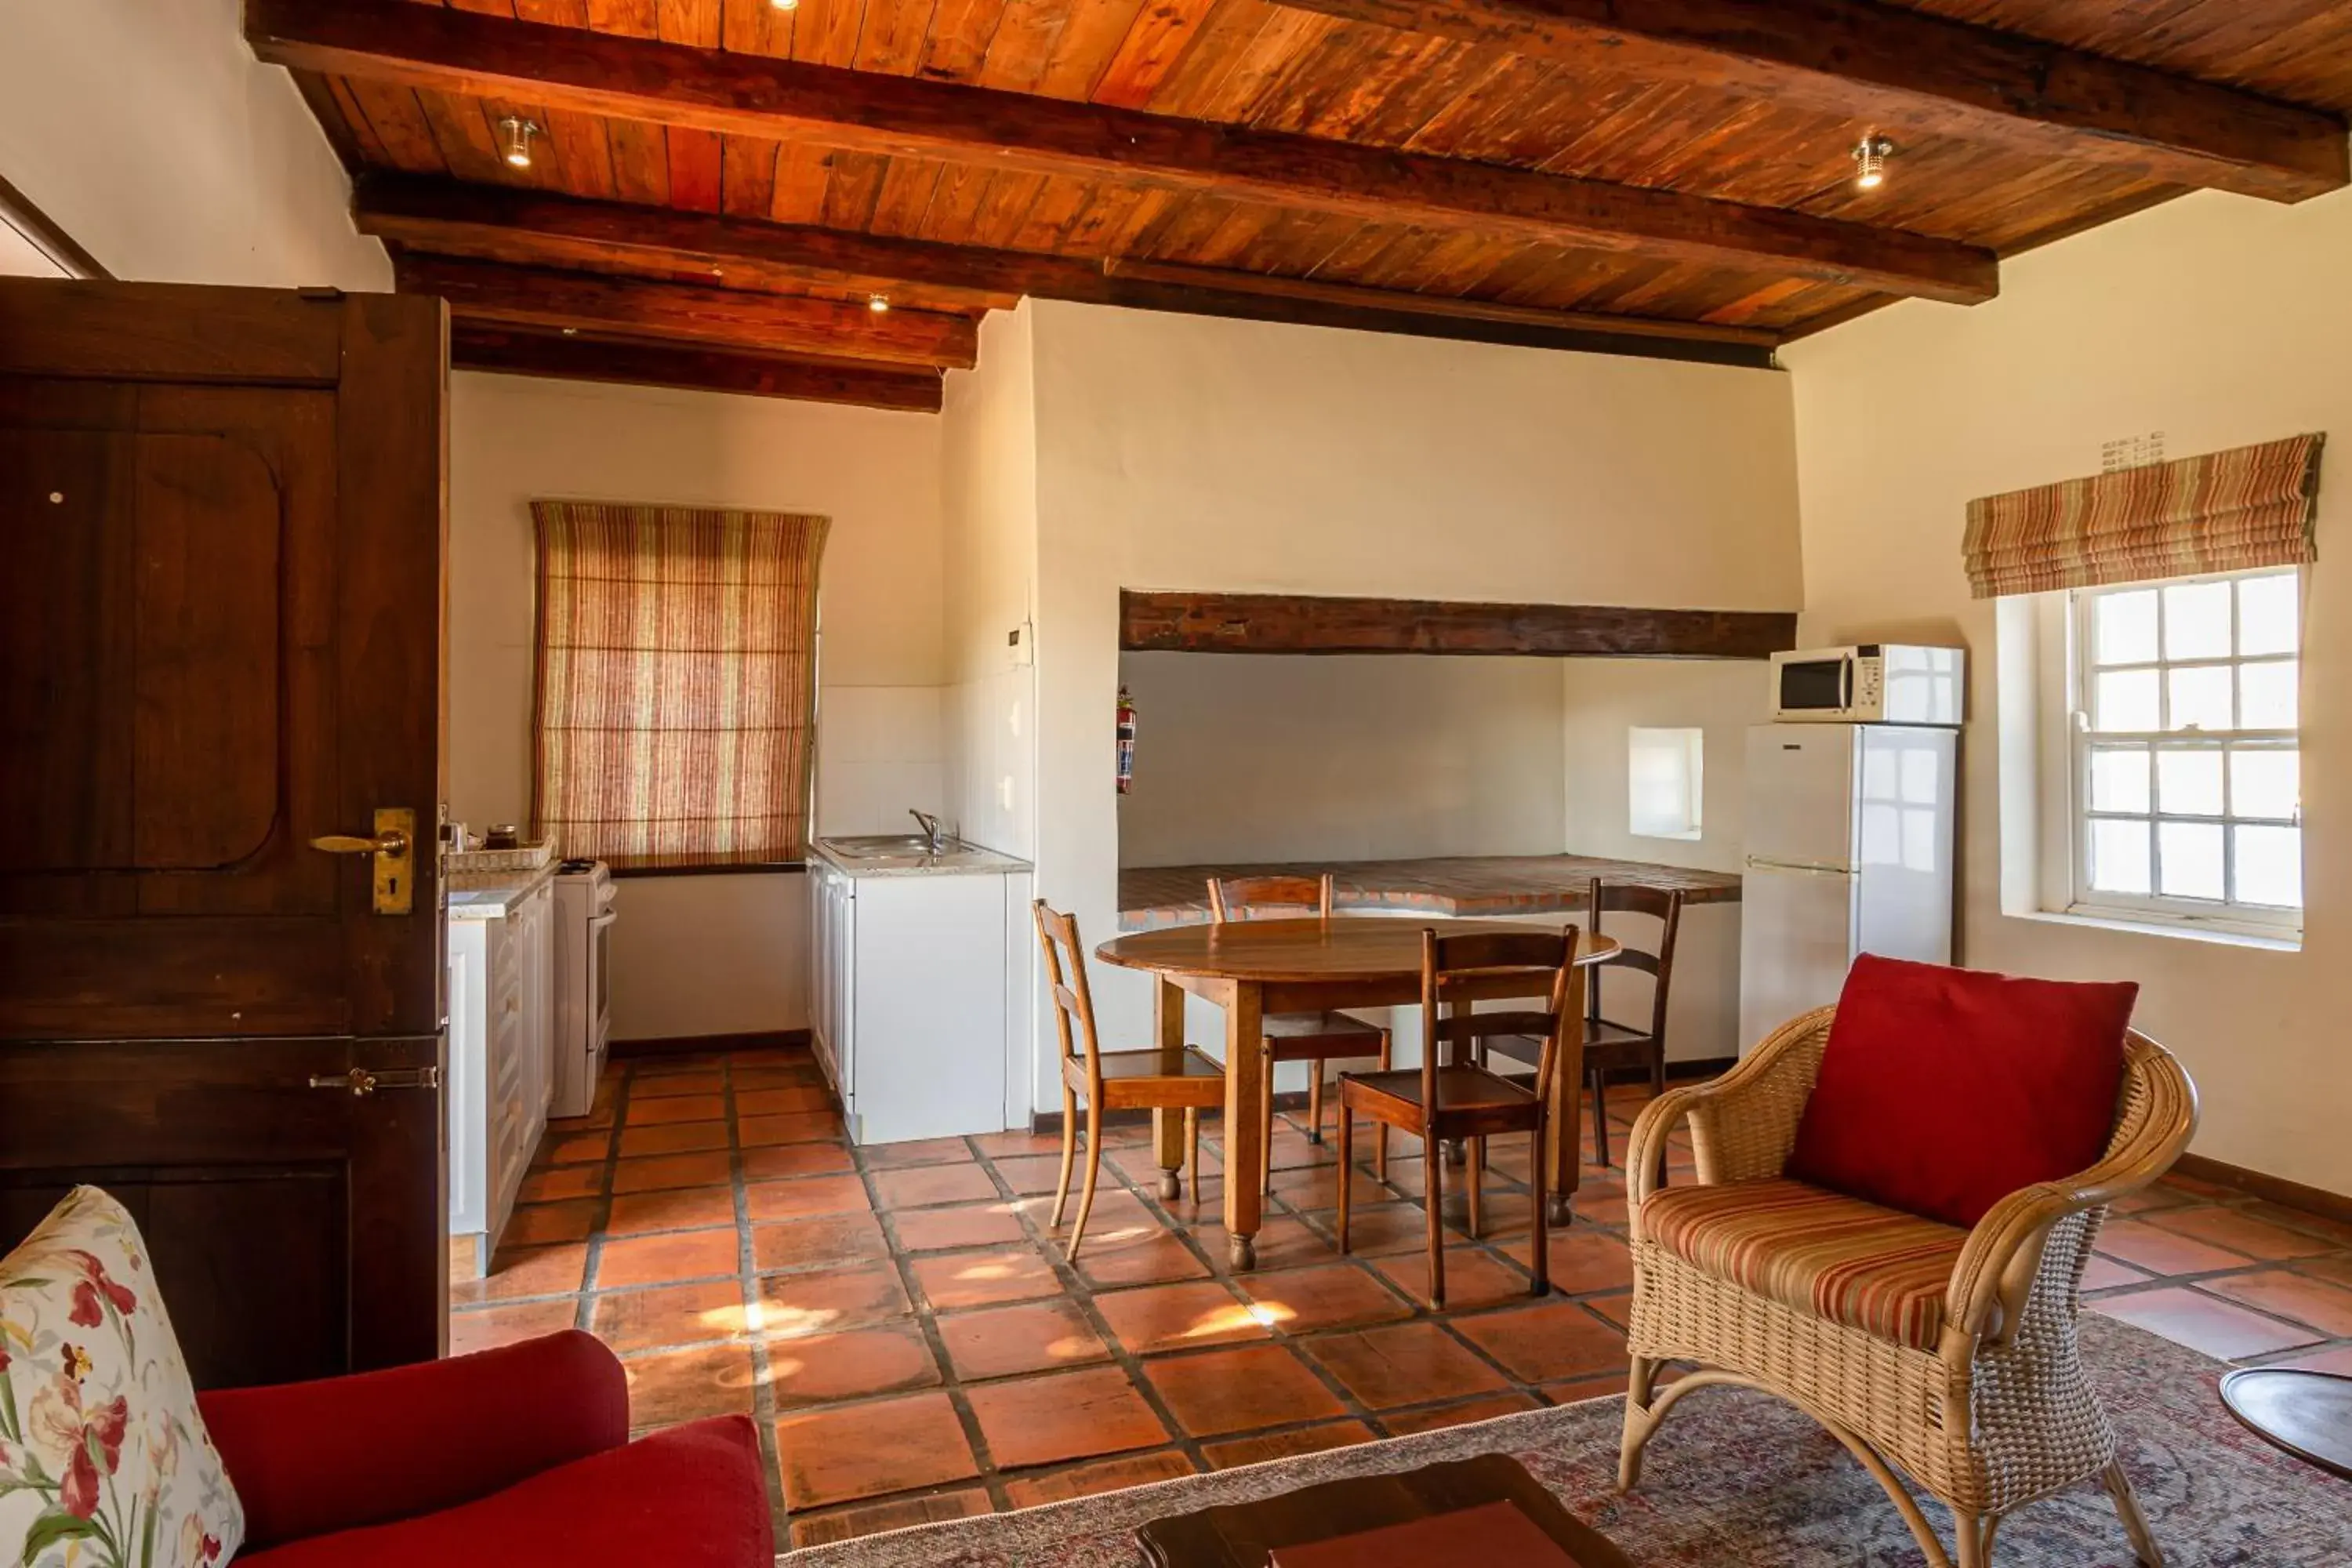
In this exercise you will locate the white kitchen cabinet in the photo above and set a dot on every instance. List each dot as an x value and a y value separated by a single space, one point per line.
922 975
501 1055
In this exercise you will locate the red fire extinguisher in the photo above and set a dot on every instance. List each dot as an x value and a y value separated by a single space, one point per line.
1126 742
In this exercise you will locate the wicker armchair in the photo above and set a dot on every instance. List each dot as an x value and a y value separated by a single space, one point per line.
1994 1410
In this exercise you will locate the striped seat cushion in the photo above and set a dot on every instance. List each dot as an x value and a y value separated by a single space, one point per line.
1872 1269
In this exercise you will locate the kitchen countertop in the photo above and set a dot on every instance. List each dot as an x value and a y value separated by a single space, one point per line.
498 900
896 855
1460 887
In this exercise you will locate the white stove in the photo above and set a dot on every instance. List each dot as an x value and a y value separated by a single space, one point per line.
583 1012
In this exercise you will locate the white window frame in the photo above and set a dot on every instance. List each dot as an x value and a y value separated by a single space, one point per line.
2067 745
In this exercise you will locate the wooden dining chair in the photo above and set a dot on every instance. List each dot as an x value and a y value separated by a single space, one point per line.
1453 1098
1612 1048
1111 1080
1315 1038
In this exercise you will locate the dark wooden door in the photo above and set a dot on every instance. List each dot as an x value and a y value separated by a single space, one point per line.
221 536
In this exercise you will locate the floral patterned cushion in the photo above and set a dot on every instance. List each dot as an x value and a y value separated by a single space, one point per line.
104 1462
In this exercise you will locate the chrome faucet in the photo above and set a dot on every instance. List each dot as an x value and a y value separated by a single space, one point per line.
932 830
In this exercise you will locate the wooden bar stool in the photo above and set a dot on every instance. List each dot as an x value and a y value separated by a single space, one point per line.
1454 1100
1181 1079
1316 1037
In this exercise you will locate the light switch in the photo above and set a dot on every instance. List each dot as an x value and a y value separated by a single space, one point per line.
1022 640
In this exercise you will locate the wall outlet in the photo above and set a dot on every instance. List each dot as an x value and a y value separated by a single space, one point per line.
2131 452
1022 642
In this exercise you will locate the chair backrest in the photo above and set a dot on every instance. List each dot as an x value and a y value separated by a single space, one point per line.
1545 960
1667 909
1229 897
1074 1000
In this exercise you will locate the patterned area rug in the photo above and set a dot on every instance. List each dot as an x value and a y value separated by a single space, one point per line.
1736 1479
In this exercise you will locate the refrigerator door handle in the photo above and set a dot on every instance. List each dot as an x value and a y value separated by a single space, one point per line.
1804 867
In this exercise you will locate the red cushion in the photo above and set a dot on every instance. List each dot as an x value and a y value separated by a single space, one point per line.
687 1497
1944 1091
311 1458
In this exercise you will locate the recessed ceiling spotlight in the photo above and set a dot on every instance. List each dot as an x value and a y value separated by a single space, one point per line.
571 332
878 303
516 134
1870 156
785 4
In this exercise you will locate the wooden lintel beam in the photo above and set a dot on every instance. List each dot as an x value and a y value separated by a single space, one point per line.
1908 72
737 318
1290 622
570 69
472 347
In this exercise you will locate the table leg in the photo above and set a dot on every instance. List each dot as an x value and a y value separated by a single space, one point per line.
1565 1133
1244 1077
1168 1126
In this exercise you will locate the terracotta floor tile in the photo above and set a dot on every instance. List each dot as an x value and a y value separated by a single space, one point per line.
1484 1409
2105 1274
1379 1229
1141 1166
994 1143
793 1127
920 1152
1240 1390
1178 1317
2324 1307
924 1187
1549 1341
1583 1260
1472 1277
1317 1187
710 1168
1032 1174
1118 1217
554 1270
1234 1452
678 1081
985 1278
2335 1230
667 1108
764 1075
535 1225
558 1182
669 1259
828 1301
669 1315
575 1148
1154 1257
819 1369
670 1386
1003 1342
804 1196
1331 1296
2241 1232
784 1160
2140 1244
820 1241
975 1225
842 1453
850 1521
1102 1475
770 1101
1064 1416
672 1137
2339 1360
1410 1364
1604 1385
2337 1270
683 1208
1618 1309
1282 1243
486 1328
2203 1322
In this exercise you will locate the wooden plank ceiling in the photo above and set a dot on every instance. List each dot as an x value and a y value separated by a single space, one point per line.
720 191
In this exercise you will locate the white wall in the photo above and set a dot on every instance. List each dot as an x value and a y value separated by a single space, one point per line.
1603 698
711 954
1250 757
2220 321
150 134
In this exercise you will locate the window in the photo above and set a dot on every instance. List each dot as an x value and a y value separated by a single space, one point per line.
675 688
1664 781
2185 778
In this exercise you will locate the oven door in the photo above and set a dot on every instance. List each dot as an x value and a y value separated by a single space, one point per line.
1812 685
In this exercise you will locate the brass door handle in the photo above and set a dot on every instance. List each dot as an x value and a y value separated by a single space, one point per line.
362 1081
393 843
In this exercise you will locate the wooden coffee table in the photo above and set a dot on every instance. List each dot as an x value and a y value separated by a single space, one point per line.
1246 1535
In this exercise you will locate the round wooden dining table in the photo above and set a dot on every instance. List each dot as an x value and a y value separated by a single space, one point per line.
1252 969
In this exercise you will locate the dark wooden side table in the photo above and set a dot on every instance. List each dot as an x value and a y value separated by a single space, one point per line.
1246 1535
2308 1414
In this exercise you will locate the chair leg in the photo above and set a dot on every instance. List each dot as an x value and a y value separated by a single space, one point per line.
1435 1198
1192 1141
1381 1149
1093 1170
1600 1117
1478 1205
1541 1257
1971 1541
1347 1164
1314 1100
1265 1120
1069 1152
1657 1069
2143 1542
1639 1423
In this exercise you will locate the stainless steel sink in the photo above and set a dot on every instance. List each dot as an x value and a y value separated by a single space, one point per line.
887 846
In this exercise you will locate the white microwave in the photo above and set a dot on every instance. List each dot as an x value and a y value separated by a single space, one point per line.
1870 683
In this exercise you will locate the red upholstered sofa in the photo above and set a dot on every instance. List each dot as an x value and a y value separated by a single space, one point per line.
514 1456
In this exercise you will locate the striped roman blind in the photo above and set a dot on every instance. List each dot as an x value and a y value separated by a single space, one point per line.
2225 512
676 686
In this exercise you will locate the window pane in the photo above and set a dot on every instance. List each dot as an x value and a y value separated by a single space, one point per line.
2124 628
2269 609
2191 858
2264 782
2197 621
2126 700
2189 783
2119 780
2119 856
2270 865
2201 698
2266 695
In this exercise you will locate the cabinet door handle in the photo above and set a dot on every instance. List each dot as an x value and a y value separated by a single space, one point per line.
362 1081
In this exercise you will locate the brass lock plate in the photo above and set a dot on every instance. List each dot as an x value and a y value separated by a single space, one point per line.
395 870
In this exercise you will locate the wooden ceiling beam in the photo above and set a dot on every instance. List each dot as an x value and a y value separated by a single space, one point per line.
511 353
1908 72
1299 623
731 318
533 227
570 69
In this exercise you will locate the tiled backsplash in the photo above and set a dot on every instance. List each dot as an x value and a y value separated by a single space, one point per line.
881 749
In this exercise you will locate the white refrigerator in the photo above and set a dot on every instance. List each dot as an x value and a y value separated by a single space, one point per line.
1850 842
